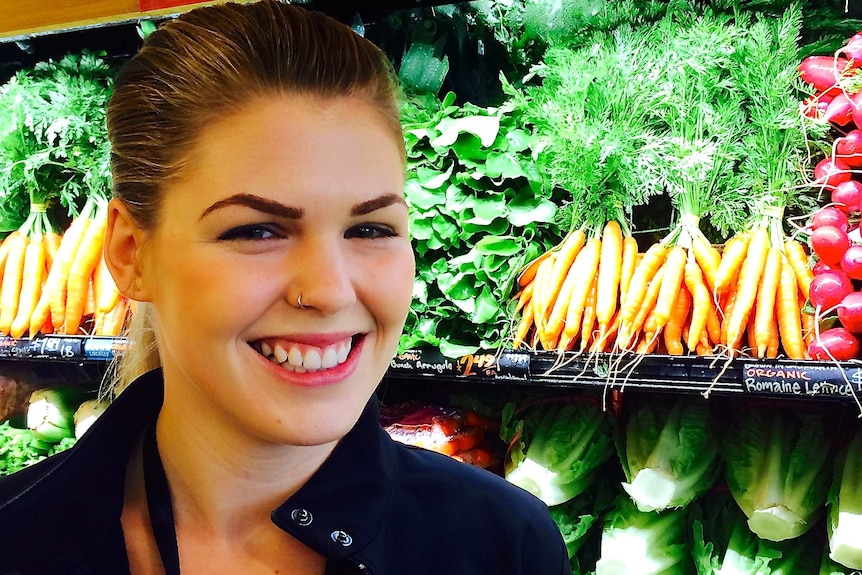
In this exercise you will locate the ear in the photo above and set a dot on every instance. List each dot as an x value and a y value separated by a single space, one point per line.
124 241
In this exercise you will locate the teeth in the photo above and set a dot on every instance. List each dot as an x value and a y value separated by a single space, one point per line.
303 359
312 360
330 357
294 356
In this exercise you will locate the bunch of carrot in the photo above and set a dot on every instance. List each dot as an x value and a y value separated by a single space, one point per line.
54 284
675 298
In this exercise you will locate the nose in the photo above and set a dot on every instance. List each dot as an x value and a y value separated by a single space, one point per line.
323 274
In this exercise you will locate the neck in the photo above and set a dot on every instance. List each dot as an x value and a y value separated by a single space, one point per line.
222 479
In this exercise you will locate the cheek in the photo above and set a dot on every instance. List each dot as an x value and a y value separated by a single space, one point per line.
392 286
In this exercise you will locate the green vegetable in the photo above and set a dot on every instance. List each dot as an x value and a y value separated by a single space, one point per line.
557 458
777 469
20 448
86 415
50 415
845 507
670 452
577 517
644 543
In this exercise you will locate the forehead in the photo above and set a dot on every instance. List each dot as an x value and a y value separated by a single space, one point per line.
296 142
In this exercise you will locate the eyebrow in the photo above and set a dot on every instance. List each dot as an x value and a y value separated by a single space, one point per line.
289 212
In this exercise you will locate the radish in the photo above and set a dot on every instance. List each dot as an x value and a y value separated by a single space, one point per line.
822 72
822 267
848 196
815 107
830 216
830 173
853 48
850 312
840 110
837 342
849 148
828 289
829 243
851 264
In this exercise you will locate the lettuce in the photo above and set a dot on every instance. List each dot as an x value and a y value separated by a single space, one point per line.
556 449
845 507
776 470
670 452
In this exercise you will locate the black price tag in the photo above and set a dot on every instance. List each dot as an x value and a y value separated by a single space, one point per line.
513 365
59 348
811 380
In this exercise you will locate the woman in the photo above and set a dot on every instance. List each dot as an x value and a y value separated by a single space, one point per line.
260 222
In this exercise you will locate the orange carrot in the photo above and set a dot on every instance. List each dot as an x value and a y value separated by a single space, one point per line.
587 268
732 258
798 260
764 312
523 296
707 258
589 318
569 249
644 272
537 302
600 343
81 272
523 327
111 323
5 247
530 270
751 336
626 333
54 294
11 287
789 321
713 325
746 290
627 267
772 348
52 244
701 300
610 262
670 285
31 285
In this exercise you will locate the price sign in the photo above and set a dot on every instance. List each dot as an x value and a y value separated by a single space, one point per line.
483 364
825 380
62 348
513 365
104 348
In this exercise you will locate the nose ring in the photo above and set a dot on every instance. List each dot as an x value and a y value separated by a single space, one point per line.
299 302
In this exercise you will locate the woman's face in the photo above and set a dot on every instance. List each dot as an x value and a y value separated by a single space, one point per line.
294 196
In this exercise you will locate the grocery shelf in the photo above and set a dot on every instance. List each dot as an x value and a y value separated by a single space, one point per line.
62 348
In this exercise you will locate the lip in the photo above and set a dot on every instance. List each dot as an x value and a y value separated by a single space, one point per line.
314 339
320 378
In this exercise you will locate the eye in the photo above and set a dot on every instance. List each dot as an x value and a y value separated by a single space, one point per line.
252 232
370 232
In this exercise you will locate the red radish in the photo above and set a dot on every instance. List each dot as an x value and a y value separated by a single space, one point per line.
815 106
851 264
850 312
830 173
822 72
828 289
830 216
837 342
822 267
840 110
849 148
848 196
829 243
853 48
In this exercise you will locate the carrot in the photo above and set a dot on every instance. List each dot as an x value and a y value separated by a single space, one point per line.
644 272
713 325
627 267
5 247
11 287
111 323
772 348
789 321
590 311
557 317
752 336
31 285
764 311
52 241
81 271
627 332
90 302
529 272
587 264
707 258
601 341
746 288
539 293
523 296
670 285
569 249
799 262
732 258
54 294
701 300
610 273
523 326
808 331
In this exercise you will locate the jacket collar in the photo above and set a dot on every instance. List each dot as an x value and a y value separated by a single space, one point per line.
336 513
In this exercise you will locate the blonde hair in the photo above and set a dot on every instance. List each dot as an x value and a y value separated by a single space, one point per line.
205 65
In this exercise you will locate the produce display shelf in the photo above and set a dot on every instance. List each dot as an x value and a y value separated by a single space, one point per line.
62 348
679 374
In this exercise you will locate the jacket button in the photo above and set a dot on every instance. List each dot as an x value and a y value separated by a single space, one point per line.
301 516
342 538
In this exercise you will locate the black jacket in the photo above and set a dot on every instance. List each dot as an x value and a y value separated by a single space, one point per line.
376 504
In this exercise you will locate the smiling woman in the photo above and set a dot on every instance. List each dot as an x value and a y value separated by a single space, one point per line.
260 225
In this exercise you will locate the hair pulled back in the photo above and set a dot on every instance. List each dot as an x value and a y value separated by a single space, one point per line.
208 64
